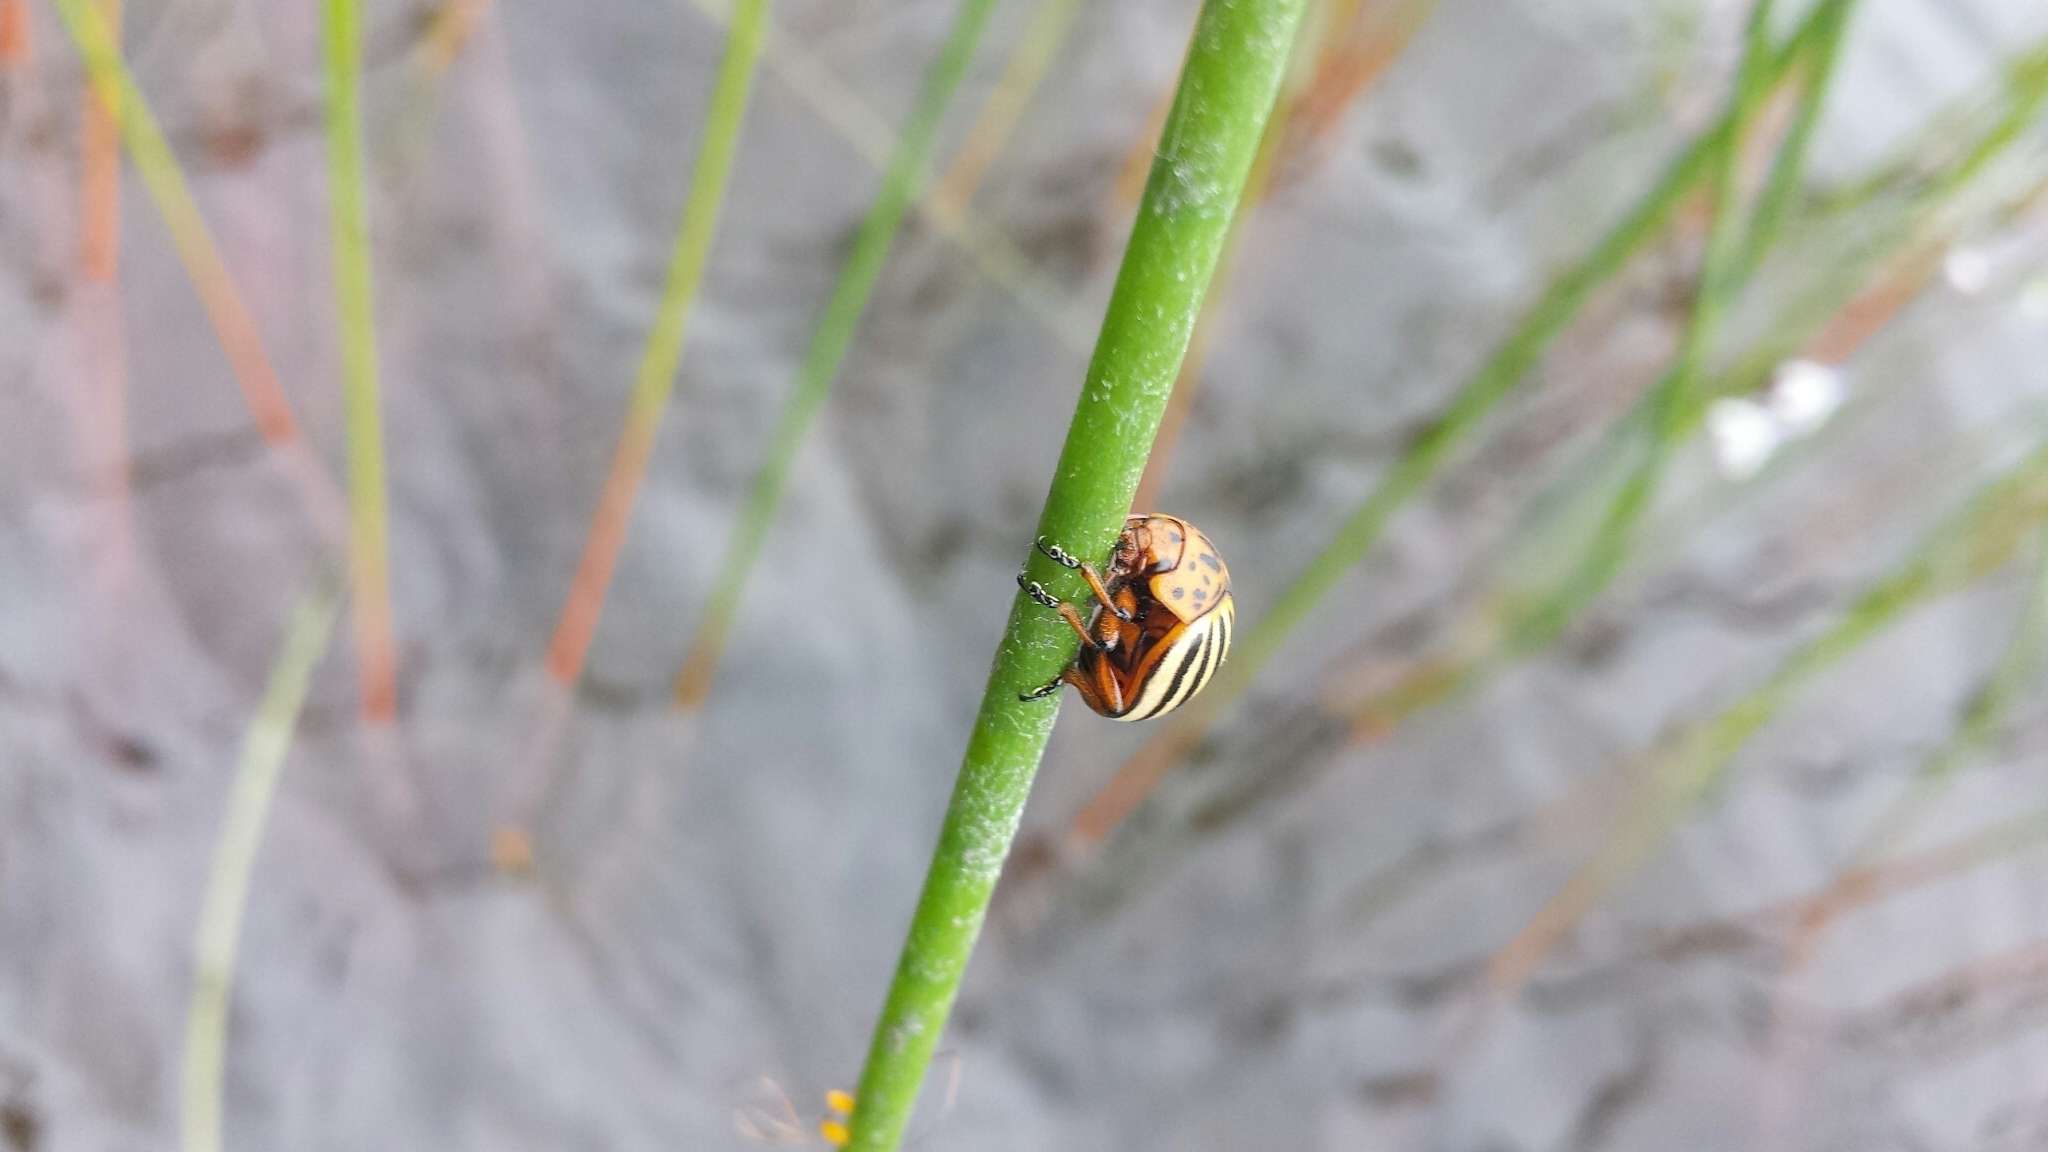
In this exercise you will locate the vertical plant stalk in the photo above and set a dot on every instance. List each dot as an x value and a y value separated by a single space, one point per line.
240 339
1510 362
1264 161
1227 90
828 348
264 748
369 532
655 384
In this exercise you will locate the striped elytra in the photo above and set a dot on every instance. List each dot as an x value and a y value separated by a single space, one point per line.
1177 615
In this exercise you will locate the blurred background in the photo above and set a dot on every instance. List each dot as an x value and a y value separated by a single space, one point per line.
1646 588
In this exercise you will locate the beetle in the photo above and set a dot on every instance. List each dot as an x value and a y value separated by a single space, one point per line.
1162 624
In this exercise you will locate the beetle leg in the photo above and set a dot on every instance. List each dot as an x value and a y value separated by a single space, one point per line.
1066 559
1106 688
1068 612
1072 616
1101 591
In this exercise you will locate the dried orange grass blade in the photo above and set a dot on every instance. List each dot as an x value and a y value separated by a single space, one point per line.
1005 106
453 24
1281 133
578 624
1350 65
240 339
1134 781
1130 179
100 191
654 386
14 42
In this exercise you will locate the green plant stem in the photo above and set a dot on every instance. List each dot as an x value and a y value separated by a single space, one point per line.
1983 536
1788 170
1975 727
1677 403
905 175
2026 89
664 352
655 383
1481 394
1227 89
369 534
264 748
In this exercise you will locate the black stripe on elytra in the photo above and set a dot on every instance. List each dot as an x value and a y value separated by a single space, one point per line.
1173 685
1179 693
1210 660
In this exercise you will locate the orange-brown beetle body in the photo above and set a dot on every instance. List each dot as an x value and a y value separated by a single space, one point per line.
1162 624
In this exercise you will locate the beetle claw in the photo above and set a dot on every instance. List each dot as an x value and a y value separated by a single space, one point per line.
1036 591
1043 692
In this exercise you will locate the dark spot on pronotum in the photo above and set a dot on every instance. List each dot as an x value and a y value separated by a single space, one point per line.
1177 593
1172 537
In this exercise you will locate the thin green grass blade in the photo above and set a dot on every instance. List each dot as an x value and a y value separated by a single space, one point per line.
1788 171
264 748
369 529
1678 401
1226 94
655 384
835 332
2017 666
1678 404
993 255
1980 538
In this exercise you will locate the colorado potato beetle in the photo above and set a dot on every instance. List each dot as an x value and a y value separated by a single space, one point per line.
1162 620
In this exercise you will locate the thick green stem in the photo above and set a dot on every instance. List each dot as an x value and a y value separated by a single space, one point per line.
828 347
1227 88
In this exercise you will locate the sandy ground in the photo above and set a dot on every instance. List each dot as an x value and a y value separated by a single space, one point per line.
718 901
